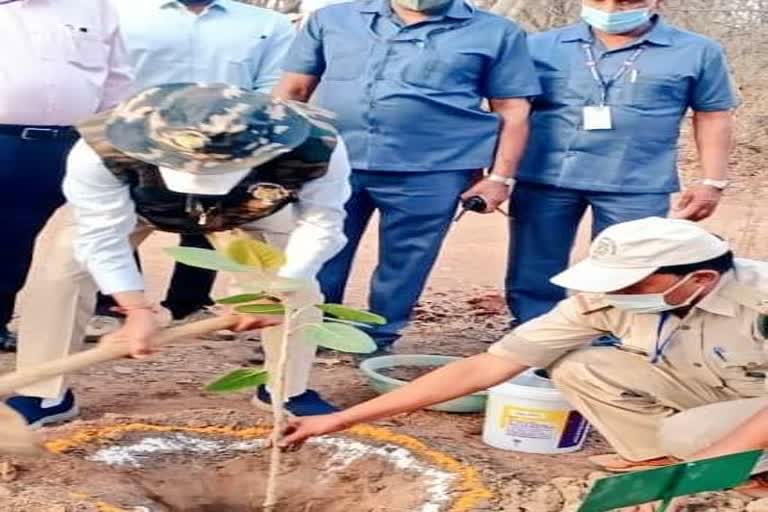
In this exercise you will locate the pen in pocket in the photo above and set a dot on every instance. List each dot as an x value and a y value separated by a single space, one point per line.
719 352
633 75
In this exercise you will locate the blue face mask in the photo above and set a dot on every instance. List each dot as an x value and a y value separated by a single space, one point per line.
615 22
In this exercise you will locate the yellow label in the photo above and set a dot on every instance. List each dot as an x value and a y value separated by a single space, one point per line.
512 415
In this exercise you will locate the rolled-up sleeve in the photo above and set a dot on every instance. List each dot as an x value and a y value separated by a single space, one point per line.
105 217
512 74
319 233
545 339
306 55
713 89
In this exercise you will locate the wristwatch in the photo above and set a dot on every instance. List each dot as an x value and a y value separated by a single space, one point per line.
718 184
501 179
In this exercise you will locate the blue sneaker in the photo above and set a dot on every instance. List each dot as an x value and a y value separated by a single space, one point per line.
7 341
32 410
309 403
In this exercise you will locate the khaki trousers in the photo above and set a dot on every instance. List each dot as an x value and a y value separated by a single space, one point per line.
646 411
60 296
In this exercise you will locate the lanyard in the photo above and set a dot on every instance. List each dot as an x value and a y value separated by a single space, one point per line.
598 76
661 345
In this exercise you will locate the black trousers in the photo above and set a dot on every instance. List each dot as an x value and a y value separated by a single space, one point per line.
31 171
190 287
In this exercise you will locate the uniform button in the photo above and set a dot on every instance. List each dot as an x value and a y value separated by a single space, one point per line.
685 327
698 365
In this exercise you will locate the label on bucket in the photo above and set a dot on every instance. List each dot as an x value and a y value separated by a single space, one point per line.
567 428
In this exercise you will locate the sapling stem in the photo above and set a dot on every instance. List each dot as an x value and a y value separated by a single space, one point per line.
277 389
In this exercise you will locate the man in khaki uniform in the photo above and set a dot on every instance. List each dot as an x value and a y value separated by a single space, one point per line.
690 367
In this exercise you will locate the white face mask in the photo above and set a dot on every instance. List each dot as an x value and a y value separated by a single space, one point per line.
651 302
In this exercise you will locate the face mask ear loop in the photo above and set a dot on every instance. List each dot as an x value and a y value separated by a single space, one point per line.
695 295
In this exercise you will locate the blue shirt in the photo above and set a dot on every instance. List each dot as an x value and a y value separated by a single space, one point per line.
229 42
409 98
676 70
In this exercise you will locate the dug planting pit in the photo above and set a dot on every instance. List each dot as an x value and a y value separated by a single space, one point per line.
154 468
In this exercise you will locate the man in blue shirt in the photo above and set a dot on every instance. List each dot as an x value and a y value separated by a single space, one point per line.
214 41
407 80
604 134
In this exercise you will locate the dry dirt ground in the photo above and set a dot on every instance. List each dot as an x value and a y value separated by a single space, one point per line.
458 316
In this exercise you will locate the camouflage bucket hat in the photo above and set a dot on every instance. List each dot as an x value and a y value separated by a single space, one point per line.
206 128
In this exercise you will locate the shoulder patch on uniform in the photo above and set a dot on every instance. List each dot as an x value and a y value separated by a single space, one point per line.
588 303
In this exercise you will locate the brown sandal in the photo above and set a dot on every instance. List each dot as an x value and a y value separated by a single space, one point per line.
614 463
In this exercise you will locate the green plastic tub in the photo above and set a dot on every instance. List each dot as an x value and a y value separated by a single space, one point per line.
383 384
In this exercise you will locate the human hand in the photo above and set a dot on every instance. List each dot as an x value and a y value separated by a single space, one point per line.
255 322
137 331
299 430
493 192
697 203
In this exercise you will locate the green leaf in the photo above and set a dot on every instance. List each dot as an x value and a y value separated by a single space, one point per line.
346 322
261 309
241 298
205 258
354 315
343 338
255 253
237 380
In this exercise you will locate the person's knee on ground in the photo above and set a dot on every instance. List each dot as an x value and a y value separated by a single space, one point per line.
593 385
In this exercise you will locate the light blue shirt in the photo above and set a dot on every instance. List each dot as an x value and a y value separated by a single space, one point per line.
410 97
676 71
229 42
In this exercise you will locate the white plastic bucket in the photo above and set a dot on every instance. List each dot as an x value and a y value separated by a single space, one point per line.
527 414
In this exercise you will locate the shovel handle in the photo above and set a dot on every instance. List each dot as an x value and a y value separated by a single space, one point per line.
107 352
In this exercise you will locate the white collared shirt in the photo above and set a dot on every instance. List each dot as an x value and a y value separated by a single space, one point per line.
61 61
228 42
106 217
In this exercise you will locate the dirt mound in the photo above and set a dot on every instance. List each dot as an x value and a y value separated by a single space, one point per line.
201 466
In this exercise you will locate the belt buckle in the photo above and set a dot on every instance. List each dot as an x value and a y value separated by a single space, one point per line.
28 133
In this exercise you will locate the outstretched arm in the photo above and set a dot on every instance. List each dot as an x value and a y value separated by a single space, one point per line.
452 381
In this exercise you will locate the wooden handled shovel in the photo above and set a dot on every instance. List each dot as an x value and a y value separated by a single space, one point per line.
16 436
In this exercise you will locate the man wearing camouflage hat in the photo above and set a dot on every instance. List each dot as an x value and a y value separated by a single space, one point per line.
693 331
193 159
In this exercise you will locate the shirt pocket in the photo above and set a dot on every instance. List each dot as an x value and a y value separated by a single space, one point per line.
438 70
744 371
88 50
653 92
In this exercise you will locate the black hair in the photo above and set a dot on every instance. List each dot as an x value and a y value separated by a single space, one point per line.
721 264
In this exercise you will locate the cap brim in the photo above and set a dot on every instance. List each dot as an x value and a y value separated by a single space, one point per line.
586 276
217 184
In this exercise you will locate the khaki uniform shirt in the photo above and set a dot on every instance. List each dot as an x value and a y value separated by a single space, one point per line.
721 342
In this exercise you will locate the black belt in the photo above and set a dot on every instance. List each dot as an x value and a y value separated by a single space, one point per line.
39 132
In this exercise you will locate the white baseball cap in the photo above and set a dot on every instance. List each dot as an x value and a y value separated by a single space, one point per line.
627 253
211 184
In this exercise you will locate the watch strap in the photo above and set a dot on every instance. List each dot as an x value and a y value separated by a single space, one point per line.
501 179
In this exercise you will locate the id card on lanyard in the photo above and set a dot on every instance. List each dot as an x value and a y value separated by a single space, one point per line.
599 117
